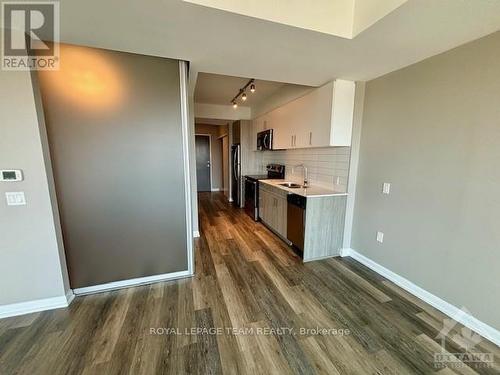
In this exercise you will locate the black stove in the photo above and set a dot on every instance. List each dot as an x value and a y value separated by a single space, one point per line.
274 171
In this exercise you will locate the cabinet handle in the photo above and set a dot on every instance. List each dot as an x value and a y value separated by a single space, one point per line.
310 138
291 141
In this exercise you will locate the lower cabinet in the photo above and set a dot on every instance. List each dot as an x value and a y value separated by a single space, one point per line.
272 208
324 227
324 221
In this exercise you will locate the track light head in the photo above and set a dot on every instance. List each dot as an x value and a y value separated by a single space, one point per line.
242 93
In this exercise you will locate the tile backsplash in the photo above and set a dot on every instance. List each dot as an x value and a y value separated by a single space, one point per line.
327 167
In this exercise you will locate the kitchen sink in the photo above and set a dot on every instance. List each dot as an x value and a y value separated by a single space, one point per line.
291 185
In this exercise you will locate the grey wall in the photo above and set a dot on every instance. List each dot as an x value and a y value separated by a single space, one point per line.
115 137
32 264
433 131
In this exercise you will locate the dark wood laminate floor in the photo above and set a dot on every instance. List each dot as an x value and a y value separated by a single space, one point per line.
252 301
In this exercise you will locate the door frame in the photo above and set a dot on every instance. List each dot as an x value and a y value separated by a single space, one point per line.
185 116
228 166
210 152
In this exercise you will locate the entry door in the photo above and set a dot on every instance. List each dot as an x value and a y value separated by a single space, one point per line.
203 162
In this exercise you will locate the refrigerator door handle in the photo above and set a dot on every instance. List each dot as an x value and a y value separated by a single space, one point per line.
238 164
234 165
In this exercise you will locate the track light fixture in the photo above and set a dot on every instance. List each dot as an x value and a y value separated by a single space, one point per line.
242 93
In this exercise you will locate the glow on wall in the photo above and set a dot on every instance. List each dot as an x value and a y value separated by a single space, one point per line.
87 78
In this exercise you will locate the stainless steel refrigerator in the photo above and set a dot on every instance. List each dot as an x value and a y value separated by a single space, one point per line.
236 174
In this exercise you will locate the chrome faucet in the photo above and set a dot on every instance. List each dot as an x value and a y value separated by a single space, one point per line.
304 168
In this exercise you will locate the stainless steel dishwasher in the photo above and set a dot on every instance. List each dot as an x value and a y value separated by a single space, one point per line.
296 220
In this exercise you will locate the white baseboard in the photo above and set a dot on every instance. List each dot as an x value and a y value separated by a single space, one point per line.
29 307
196 233
70 296
131 282
345 252
215 189
452 311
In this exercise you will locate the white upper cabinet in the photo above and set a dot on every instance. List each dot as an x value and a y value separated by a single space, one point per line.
281 132
321 118
342 113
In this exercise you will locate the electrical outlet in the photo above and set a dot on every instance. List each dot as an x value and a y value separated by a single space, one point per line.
386 188
380 237
15 198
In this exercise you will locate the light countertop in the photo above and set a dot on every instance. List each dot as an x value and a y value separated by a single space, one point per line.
310 192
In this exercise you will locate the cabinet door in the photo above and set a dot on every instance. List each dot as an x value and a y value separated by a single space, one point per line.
262 204
269 209
289 118
274 212
317 131
281 130
273 209
266 208
343 113
281 139
297 118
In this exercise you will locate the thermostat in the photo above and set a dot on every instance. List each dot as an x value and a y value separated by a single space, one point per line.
11 175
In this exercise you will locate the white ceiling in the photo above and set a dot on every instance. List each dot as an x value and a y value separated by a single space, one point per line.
220 89
225 43
344 18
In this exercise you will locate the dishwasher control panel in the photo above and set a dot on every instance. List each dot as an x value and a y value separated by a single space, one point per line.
297 200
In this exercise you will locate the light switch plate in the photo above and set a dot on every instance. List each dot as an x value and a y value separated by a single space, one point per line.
11 175
380 237
15 198
386 188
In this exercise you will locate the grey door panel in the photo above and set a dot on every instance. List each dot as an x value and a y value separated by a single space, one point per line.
118 167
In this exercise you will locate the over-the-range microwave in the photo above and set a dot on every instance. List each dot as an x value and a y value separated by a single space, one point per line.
265 140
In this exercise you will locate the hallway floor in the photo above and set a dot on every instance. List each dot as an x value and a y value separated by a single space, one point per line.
253 307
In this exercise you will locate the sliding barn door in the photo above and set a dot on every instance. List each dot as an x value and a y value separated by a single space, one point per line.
114 127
